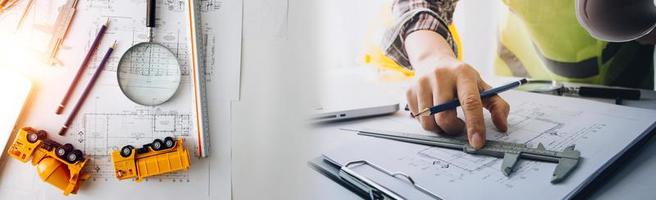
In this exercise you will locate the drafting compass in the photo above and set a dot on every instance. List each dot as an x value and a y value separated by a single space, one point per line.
567 159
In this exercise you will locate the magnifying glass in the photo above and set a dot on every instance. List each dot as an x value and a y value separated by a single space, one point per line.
148 72
558 88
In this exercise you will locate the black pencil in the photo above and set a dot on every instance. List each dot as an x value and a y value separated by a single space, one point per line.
86 91
83 66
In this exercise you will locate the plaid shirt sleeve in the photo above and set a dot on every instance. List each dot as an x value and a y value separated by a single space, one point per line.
414 15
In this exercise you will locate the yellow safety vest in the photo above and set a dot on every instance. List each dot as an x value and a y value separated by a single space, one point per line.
542 39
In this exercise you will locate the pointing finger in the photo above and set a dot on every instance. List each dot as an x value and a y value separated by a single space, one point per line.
472 106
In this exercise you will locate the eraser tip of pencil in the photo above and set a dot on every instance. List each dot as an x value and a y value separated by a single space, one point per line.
60 110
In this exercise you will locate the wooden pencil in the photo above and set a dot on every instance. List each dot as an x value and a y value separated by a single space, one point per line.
83 66
87 90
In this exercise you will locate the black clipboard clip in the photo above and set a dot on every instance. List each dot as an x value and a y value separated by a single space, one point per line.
377 191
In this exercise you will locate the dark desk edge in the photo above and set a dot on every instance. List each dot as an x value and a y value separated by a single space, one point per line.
612 169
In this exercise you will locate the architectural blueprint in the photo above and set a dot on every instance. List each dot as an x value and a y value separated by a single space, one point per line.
600 131
108 120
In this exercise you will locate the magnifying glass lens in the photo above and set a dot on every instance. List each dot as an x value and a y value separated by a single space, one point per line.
541 86
148 74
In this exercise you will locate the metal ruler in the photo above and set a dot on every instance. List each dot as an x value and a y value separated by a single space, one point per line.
62 23
201 119
567 159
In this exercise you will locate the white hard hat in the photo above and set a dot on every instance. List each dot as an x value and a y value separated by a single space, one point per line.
617 20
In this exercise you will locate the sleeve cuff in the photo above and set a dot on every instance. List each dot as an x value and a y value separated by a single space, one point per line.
394 41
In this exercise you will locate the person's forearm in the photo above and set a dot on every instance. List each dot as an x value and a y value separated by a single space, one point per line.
426 49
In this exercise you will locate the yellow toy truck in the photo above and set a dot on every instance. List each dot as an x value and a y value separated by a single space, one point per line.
59 165
158 157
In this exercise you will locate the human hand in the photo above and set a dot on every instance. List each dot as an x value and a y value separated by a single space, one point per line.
452 79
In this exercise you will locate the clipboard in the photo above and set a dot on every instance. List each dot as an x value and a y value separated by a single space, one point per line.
330 169
364 186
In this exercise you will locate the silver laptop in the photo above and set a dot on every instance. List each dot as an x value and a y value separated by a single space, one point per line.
337 113
352 100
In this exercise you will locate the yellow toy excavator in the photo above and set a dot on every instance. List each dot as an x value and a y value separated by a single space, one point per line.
59 165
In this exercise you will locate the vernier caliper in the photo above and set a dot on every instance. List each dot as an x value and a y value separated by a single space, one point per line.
510 152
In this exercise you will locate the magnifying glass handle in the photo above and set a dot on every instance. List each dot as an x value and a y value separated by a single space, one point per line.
609 93
150 13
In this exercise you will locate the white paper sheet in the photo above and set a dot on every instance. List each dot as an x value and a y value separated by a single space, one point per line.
600 132
109 120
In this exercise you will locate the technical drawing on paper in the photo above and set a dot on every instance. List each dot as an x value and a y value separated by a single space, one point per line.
99 4
210 5
205 5
175 41
600 131
529 124
97 127
127 23
102 133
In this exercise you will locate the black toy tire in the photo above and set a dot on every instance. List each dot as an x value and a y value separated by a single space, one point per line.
169 142
126 151
157 145
75 156
42 134
64 150
32 137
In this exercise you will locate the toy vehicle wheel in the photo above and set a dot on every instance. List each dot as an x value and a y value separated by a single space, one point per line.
32 137
169 142
126 151
63 150
74 156
42 134
157 145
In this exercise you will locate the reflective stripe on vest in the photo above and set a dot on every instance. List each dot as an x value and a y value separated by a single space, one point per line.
515 65
583 69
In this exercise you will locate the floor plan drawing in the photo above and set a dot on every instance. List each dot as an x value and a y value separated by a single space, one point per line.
529 124
108 120
593 131
101 134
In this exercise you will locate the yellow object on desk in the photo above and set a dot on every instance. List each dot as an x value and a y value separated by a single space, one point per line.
59 165
158 157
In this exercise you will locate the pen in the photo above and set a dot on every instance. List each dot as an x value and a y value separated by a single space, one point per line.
455 103
86 91
83 66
